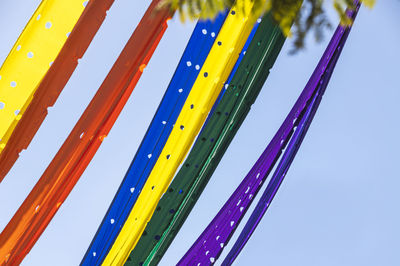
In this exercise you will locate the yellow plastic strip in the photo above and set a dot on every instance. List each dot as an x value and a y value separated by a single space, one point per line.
31 57
213 74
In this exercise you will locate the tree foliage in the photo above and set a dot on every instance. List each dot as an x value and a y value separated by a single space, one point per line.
306 16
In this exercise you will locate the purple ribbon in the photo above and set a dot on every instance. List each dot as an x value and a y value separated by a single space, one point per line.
209 245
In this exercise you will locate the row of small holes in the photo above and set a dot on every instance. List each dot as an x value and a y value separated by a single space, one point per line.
212 259
232 222
3 105
189 64
30 54
197 67
204 31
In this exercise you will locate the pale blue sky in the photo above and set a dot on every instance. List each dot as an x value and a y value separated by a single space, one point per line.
339 202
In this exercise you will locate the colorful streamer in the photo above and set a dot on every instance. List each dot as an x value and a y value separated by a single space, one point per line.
213 74
289 154
42 50
186 187
42 203
184 77
209 245
232 74
277 178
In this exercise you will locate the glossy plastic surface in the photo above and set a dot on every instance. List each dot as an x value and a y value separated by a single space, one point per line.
209 245
33 216
51 85
31 57
213 74
214 139
289 153
181 83
231 75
